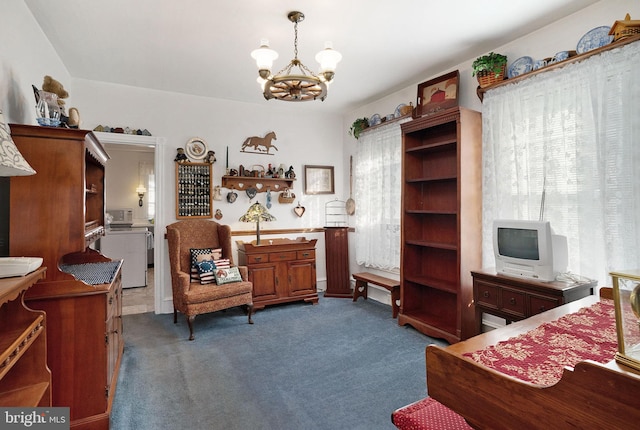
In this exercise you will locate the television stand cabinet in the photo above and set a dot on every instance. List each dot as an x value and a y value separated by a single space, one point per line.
515 299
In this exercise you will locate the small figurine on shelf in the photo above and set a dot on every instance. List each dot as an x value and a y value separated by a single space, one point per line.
181 157
290 173
210 157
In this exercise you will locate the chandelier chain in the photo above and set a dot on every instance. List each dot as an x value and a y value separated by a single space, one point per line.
295 40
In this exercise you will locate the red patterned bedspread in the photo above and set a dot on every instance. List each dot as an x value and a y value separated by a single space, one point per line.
540 355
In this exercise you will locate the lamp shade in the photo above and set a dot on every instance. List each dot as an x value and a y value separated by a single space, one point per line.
328 58
256 213
264 56
12 163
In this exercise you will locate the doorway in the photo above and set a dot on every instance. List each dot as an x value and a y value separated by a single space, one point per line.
130 183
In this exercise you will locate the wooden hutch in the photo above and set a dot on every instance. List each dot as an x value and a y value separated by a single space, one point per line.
58 214
25 379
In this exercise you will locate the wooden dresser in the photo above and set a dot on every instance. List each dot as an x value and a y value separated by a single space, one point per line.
515 299
25 379
58 214
282 270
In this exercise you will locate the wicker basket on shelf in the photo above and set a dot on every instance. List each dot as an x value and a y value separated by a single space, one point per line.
486 77
286 196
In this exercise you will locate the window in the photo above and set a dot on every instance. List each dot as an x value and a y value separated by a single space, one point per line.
572 133
377 194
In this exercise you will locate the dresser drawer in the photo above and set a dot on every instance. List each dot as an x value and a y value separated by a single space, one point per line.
306 254
513 302
539 304
487 295
257 258
282 256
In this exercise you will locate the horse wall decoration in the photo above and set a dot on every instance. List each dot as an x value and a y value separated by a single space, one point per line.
260 145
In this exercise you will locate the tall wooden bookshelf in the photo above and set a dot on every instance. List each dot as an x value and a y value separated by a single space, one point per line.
441 222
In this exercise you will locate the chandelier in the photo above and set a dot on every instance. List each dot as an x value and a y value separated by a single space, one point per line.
287 85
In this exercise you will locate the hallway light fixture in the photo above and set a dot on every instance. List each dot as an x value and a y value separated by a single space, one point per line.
141 190
288 86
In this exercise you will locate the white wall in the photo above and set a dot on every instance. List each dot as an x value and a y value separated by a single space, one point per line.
303 137
26 56
545 42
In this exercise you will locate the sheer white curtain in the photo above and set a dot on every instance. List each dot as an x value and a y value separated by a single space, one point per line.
575 132
377 192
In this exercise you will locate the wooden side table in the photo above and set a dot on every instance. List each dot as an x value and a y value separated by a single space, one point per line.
515 299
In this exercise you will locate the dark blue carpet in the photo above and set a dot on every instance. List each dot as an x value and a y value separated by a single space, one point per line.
336 365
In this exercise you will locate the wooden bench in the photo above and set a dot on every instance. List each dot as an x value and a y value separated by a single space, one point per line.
364 278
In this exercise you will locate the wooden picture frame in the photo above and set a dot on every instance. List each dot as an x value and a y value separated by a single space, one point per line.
318 180
438 94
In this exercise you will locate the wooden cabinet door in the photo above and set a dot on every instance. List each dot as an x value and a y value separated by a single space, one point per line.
302 277
265 281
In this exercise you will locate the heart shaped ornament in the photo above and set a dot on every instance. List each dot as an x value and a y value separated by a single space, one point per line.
299 210
251 192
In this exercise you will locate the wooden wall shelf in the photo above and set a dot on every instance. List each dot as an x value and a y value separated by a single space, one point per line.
386 122
261 184
560 64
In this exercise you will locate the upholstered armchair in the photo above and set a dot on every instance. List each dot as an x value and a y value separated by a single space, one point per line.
191 296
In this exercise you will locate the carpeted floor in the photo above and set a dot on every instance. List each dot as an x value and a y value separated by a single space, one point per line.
336 365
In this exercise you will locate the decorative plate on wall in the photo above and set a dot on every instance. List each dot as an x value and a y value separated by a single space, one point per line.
196 148
521 66
594 38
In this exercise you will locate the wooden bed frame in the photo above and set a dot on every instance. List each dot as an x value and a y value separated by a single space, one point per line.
589 396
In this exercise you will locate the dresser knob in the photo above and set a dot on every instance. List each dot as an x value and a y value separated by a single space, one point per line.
485 294
512 301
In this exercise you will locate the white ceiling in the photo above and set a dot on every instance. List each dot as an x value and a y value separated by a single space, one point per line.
203 47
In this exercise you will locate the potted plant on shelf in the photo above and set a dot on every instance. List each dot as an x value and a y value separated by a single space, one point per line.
489 68
357 127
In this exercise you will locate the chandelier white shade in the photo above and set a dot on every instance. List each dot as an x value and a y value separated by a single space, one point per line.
303 85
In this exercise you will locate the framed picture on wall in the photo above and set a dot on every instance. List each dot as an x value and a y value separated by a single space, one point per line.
318 180
438 94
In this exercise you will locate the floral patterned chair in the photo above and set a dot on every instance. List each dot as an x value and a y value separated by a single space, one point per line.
191 296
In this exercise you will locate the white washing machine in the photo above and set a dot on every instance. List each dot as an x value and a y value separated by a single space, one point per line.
130 245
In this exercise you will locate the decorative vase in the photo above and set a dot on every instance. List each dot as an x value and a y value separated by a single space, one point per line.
47 109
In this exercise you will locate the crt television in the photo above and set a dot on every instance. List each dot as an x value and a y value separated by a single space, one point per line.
529 249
